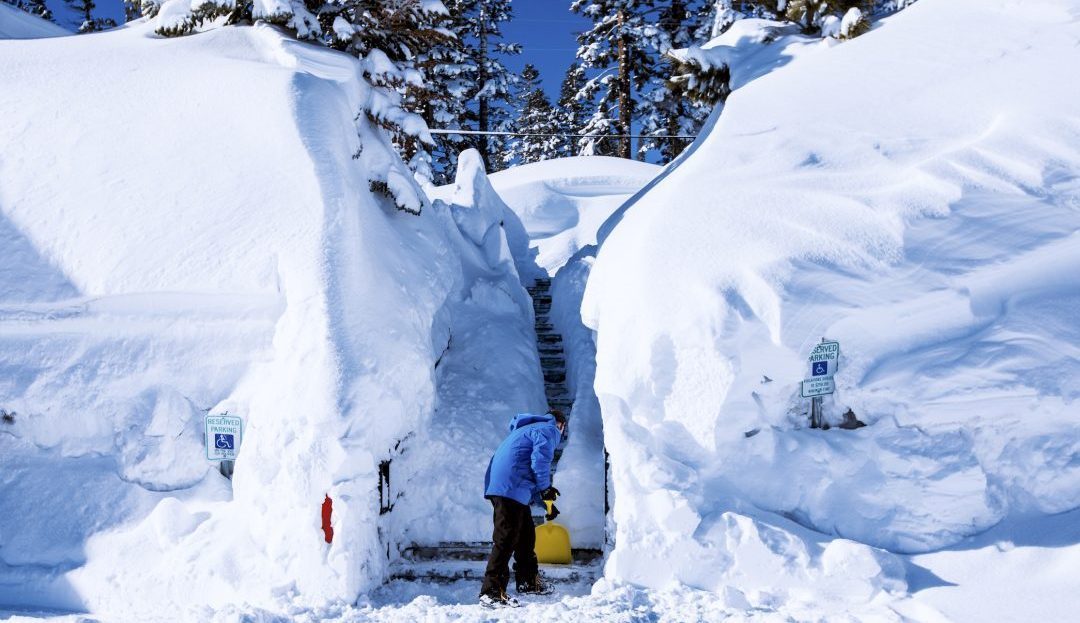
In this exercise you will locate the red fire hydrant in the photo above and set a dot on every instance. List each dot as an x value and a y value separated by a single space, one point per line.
327 511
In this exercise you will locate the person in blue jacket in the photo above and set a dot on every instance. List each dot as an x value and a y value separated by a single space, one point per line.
519 474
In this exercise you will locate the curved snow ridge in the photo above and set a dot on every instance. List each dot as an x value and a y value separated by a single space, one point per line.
562 202
922 212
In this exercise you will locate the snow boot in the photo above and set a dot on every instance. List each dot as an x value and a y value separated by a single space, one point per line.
500 600
535 586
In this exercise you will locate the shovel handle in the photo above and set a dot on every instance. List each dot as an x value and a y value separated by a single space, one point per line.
548 503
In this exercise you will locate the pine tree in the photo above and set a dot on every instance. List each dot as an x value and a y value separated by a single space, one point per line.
572 114
665 111
33 7
536 118
618 46
486 81
132 10
716 18
412 36
85 19
811 14
440 100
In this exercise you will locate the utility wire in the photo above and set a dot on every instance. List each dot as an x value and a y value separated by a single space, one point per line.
498 133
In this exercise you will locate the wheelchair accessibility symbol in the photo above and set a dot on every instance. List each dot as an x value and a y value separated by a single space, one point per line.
223 441
821 368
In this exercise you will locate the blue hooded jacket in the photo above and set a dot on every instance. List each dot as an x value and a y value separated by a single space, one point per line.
521 466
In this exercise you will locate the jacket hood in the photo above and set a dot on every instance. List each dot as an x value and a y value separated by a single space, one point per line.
524 419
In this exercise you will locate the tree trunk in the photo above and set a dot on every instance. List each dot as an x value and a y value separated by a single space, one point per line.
674 145
482 103
626 102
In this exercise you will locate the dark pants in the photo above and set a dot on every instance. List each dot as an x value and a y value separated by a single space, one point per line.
514 535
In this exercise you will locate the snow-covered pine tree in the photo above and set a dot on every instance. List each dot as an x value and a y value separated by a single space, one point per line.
412 36
598 131
702 76
620 47
664 111
85 20
811 15
441 101
486 80
33 7
572 112
132 10
814 16
536 118
716 17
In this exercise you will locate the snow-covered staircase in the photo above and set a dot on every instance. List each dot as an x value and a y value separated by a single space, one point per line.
552 358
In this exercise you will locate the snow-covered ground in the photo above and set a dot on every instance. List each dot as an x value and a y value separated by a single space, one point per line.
912 193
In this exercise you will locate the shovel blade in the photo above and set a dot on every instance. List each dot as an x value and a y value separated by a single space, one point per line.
553 544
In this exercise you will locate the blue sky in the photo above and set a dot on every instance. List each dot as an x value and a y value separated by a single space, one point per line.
545 28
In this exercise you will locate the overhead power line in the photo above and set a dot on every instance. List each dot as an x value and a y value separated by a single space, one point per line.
570 134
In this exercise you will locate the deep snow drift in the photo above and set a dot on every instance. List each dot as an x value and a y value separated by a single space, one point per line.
212 245
913 194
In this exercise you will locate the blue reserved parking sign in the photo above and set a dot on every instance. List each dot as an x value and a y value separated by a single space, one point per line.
223 437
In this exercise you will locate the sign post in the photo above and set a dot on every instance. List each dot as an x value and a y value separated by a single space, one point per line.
824 362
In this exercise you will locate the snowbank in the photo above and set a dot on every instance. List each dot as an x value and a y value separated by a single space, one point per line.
562 202
18 24
212 245
913 194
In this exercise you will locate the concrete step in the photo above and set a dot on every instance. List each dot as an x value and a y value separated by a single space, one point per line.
542 298
549 350
458 570
556 391
478 551
553 361
533 290
545 327
550 338
542 282
554 376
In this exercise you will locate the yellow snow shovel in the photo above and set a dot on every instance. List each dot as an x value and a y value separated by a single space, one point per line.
552 542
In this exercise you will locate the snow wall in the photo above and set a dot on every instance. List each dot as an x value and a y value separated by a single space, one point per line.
192 232
913 194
